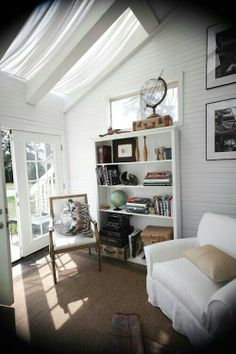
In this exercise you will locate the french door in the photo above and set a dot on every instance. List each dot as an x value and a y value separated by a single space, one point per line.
37 162
6 287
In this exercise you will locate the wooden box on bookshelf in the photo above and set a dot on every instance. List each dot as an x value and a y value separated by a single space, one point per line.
154 234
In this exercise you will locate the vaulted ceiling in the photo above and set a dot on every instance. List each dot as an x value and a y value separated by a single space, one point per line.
69 46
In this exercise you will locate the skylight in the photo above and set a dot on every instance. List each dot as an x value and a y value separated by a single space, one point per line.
101 54
46 52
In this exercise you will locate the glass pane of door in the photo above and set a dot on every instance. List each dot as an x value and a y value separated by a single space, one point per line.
40 159
39 174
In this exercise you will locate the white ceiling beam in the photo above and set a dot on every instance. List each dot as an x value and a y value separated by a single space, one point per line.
137 39
144 14
98 19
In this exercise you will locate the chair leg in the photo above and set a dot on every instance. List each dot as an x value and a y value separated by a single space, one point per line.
99 258
54 268
90 251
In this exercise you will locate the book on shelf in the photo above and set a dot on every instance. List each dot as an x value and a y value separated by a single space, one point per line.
163 205
99 175
138 200
111 174
135 209
135 243
168 153
158 178
108 175
104 153
158 174
157 184
153 180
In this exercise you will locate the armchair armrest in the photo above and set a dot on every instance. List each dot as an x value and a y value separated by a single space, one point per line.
167 250
220 310
95 226
50 227
50 231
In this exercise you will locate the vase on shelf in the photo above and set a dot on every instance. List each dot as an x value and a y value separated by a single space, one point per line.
137 153
145 152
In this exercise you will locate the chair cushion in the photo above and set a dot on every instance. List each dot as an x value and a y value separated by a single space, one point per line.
74 218
192 287
62 242
215 263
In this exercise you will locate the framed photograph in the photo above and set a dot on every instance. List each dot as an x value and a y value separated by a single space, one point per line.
124 150
221 55
221 130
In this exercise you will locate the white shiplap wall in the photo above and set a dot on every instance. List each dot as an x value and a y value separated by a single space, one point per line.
46 117
180 46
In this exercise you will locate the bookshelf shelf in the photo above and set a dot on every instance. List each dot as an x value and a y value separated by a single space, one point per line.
160 137
156 162
137 214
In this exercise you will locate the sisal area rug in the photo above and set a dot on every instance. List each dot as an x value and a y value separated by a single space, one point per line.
75 316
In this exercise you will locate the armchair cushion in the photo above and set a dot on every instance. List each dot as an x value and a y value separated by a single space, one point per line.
168 250
62 242
74 218
216 264
182 278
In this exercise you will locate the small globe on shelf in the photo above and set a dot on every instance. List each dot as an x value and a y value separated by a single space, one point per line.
118 198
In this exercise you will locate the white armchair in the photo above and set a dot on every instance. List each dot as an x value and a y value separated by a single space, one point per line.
199 307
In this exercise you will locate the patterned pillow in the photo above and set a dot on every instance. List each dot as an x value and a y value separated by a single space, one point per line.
74 219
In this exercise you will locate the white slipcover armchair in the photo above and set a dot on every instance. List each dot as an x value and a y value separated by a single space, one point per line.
199 307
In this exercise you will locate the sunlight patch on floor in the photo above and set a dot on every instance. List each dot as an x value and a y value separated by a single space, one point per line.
59 314
45 273
59 317
64 261
75 305
16 270
22 322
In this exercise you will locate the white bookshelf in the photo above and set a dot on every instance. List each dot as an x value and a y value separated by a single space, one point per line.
168 137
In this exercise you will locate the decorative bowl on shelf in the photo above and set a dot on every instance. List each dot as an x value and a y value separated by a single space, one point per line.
118 198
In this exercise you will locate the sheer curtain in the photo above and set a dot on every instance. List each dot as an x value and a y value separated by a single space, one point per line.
48 29
100 55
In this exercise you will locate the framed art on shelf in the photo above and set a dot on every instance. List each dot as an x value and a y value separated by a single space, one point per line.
124 150
221 55
221 130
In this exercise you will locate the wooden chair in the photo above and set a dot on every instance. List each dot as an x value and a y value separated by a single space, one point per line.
59 243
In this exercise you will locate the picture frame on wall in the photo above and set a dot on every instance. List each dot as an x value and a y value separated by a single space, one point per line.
221 130
124 150
221 55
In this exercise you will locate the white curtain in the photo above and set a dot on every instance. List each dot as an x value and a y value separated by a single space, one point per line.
50 27
100 55
46 30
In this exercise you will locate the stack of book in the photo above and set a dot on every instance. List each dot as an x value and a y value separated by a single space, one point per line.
108 175
163 205
138 205
158 178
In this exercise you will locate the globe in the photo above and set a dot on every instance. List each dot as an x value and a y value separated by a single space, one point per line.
118 198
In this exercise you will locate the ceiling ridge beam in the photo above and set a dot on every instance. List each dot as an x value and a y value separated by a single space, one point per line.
101 18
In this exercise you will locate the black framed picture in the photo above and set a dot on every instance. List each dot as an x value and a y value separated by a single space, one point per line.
221 130
124 150
221 55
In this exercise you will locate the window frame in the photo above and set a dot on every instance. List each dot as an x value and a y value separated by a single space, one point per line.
171 83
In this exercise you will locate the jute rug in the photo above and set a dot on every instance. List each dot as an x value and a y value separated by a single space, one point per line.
75 316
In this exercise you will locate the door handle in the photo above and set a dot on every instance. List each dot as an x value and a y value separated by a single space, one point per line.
1 225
